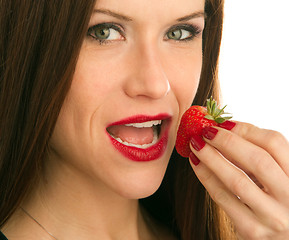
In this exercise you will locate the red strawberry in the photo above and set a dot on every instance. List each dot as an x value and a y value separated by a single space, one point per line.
194 120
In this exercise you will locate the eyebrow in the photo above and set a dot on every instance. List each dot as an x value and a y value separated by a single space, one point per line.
191 16
128 19
113 14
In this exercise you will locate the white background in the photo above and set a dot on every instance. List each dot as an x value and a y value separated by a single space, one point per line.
254 62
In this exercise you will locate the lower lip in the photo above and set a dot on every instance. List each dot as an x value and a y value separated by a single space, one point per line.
143 155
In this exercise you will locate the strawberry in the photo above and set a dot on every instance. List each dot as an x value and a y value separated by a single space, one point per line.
194 120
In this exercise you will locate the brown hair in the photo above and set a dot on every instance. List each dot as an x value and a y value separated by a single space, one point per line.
39 46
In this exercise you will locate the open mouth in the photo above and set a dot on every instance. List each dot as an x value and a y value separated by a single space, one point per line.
141 138
140 135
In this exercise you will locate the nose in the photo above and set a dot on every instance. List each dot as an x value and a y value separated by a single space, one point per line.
147 77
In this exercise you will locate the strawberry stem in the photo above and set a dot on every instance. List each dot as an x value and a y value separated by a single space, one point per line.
214 112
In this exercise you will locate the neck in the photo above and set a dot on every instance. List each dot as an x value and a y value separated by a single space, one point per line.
71 206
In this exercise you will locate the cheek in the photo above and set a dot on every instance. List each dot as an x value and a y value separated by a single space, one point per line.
92 86
89 85
96 76
185 76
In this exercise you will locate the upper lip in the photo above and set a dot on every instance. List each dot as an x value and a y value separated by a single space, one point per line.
141 119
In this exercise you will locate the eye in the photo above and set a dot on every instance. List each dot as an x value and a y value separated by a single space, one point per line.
178 34
106 32
182 33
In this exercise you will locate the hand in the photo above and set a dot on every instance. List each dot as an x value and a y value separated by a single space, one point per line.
246 172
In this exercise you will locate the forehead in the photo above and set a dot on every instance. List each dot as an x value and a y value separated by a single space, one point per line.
152 10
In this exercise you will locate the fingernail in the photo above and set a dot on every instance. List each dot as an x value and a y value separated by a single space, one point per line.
209 132
197 142
194 159
227 125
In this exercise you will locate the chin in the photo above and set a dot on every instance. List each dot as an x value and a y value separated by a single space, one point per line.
138 192
142 184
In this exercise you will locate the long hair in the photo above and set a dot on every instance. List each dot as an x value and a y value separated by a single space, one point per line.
39 46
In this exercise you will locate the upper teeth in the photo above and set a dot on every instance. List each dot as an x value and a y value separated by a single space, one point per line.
144 124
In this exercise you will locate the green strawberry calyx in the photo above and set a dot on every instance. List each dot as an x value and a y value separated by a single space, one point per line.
215 113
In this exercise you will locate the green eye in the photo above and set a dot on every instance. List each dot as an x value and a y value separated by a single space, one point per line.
183 32
102 32
175 35
106 32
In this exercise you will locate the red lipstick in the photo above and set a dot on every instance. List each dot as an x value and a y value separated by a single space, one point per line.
143 154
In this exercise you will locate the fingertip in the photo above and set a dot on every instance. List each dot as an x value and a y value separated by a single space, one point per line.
197 142
193 159
209 133
228 125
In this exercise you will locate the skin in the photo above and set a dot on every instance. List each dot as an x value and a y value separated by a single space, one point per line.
89 190
255 168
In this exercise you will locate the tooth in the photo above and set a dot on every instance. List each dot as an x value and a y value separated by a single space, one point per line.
144 124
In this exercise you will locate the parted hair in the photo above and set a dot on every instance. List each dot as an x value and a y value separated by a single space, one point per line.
39 46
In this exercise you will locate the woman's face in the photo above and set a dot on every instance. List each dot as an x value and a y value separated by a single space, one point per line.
137 72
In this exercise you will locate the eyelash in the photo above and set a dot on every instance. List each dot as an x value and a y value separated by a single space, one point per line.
192 29
103 26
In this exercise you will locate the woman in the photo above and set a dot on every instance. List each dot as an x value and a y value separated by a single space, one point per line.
91 97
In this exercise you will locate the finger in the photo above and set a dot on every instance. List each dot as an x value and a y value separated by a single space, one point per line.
268 210
246 223
255 160
273 142
279 236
